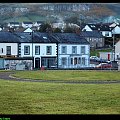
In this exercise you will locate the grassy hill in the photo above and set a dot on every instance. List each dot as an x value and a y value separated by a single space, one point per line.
34 12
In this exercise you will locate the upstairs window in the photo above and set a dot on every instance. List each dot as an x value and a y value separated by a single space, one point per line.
74 49
64 49
8 49
37 50
26 50
82 49
49 50
106 33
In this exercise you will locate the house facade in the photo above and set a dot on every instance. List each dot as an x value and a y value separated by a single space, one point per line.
13 24
95 38
116 31
27 24
117 50
43 54
106 30
73 51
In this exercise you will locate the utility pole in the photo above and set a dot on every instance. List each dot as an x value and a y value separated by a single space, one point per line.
32 50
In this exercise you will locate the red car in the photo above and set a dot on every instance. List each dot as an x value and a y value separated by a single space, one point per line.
104 65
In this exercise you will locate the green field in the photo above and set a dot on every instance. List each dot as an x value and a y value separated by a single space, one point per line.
74 75
51 98
58 98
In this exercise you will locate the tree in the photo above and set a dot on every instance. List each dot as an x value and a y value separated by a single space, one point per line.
73 19
57 30
69 30
45 28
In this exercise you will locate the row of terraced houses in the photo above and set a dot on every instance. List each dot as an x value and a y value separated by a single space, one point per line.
20 50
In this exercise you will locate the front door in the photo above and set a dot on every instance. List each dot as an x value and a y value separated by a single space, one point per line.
37 62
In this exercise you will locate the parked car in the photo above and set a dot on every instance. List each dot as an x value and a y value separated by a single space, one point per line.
104 65
94 58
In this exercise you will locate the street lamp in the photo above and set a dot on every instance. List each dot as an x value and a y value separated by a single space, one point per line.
32 49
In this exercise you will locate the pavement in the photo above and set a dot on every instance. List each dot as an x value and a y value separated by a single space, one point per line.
8 76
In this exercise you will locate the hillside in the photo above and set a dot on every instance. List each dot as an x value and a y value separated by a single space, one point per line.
50 12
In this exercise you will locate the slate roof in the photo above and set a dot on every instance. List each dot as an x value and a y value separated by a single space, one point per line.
94 34
8 37
27 22
40 22
70 38
14 22
37 37
100 27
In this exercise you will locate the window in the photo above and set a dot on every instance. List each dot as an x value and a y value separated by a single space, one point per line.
64 49
71 61
8 50
27 50
64 61
37 50
106 33
2 50
74 49
75 61
79 60
83 61
49 50
82 49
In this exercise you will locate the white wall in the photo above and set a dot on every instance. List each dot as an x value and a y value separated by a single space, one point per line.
117 49
14 48
116 30
78 54
104 55
42 49
109 35
27 25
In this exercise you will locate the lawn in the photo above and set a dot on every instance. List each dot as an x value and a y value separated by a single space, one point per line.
74 75
53 98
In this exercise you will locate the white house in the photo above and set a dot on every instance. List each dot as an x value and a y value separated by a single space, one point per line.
40 47
38 23
8 44
59 25
73 51
103 28
13 24
27 24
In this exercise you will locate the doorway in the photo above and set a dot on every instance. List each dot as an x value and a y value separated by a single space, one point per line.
37 63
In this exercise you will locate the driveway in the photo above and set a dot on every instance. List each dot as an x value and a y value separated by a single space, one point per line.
8 76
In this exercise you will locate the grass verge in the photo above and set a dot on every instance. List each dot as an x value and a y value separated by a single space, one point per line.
74 75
